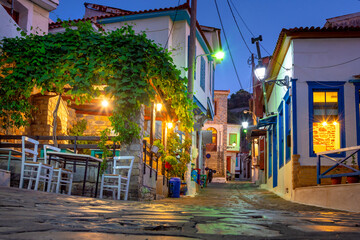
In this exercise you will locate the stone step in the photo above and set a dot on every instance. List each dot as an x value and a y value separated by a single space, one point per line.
219 180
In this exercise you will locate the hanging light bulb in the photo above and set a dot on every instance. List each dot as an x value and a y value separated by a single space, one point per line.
105 103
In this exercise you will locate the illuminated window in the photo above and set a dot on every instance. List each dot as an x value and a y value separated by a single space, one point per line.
326 117
232 139
214 135
326 127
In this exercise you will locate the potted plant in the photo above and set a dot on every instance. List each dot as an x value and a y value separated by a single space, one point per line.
353 179
336 180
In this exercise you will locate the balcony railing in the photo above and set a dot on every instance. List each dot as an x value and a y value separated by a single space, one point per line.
337 163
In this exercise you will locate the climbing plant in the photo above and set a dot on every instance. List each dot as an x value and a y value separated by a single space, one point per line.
78 62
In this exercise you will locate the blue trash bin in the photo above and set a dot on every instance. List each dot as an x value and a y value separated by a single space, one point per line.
174 187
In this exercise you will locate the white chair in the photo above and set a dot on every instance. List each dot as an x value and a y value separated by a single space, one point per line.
34 170
61 176
116 182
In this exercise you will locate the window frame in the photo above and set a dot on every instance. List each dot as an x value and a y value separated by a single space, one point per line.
325 86
236 140
281 135
202 73
287 117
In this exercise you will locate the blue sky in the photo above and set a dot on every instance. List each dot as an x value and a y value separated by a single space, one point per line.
265 17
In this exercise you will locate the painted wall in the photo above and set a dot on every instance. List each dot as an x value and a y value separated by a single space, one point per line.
284 173
310 53
8 25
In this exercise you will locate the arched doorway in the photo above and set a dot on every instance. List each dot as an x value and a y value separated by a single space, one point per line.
212 147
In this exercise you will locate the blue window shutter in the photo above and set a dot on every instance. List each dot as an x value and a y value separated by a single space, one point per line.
202 74
213 80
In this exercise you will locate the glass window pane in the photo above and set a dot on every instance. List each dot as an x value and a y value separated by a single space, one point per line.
319 97
331 97
326 137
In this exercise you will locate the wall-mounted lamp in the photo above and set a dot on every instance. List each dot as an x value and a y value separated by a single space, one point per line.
169 125
158 107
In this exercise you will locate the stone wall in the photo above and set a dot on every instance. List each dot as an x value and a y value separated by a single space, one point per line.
221 107
304 176
95 123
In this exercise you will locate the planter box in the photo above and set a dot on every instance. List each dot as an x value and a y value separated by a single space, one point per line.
4 178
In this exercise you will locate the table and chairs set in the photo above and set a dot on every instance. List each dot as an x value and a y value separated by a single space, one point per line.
55 171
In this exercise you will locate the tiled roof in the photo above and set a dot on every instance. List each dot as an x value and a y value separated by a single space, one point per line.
313 32
127 13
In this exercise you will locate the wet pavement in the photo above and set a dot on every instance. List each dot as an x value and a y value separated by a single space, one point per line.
221 211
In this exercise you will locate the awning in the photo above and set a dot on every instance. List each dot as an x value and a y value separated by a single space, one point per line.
258 132
267 121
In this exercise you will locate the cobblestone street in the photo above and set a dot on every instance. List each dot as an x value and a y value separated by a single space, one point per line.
221 211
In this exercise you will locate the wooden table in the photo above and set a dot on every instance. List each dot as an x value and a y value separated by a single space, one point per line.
9 154
80 159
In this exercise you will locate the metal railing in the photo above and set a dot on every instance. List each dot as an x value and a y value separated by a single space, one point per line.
341 162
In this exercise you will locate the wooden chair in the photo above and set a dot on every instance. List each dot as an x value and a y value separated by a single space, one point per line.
34 170
116 182
61 176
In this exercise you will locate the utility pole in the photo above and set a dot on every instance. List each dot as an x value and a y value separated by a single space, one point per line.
192 50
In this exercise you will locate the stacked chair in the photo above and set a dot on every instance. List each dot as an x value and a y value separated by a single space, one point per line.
61 176
32 170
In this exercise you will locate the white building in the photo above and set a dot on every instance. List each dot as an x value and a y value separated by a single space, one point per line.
319 111
30 16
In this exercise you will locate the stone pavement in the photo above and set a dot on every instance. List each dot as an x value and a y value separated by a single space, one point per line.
221 211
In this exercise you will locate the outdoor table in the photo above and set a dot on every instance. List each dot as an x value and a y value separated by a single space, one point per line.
80 159
9 154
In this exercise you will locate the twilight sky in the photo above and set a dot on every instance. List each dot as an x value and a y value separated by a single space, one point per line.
265 17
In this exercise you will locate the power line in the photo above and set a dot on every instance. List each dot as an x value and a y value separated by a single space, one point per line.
232 13
335 65
254 35
242 19
227 43
172 27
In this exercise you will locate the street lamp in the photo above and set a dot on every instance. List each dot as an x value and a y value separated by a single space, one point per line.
219 55
245 125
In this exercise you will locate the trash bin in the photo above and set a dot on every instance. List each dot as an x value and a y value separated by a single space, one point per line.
174 187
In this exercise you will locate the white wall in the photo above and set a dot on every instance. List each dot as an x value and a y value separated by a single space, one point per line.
309 53
8 25
158 29
284 175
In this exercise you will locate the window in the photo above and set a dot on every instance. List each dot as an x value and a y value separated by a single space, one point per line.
326 120
270 152
212 147
215 108
288 129
202 74
232 139
281 137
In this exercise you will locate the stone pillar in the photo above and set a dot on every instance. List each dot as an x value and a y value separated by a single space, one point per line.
295 170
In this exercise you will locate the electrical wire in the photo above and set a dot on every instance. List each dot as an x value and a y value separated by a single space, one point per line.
335 65
254 34
232 13
227 43
172 27
242 19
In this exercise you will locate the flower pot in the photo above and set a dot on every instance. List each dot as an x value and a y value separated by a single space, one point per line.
352 179
336 180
